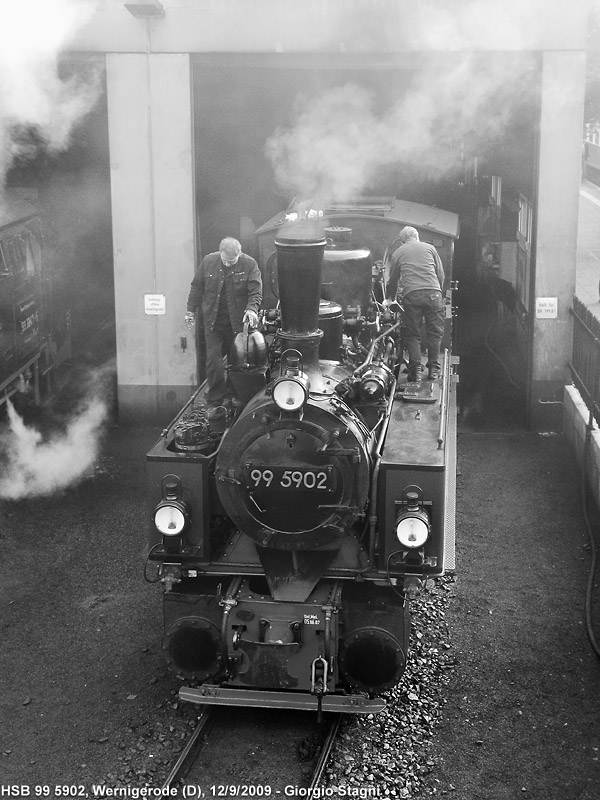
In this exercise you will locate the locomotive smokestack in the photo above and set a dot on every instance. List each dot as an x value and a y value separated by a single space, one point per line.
299 265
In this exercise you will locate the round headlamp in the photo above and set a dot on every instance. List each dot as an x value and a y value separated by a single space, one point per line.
412 531
290 393
170 518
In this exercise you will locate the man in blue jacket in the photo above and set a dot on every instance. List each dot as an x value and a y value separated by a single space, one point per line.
417 266
227 289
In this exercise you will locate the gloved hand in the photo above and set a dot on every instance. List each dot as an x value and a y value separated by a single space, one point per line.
386 303
190 319
251 317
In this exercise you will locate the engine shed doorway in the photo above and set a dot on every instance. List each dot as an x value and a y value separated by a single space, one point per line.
474 152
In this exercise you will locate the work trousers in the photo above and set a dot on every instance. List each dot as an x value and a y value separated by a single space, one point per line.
428 305
218 344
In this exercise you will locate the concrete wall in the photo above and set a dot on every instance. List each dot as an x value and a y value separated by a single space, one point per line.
150 130
575 421
555 241
338 25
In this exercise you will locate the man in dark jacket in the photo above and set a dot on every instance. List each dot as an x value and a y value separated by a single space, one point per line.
418 268
227 289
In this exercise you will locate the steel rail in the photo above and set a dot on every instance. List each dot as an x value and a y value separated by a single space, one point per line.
190 751
325 753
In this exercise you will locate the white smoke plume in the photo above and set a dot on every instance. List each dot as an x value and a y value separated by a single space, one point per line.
34 466
338 140
33 97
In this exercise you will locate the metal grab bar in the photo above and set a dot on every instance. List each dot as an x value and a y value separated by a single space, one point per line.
373 535
444 400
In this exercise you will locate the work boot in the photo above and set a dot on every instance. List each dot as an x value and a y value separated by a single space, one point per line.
217 418
232 402
415 373
433 373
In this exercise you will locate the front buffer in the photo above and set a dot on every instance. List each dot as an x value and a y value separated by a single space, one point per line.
332 652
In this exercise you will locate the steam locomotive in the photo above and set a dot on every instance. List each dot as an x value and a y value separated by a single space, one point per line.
291 529
35 329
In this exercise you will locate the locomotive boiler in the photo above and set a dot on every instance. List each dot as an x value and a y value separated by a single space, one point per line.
291 529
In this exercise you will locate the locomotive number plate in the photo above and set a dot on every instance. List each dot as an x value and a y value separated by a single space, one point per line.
298 479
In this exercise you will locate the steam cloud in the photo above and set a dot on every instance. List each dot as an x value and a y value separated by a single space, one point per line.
338 142
32 95
34 467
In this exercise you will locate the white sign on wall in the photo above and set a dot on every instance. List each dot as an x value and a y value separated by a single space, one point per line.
546 307
155 304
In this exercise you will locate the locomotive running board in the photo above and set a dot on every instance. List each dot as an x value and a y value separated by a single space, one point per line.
340 704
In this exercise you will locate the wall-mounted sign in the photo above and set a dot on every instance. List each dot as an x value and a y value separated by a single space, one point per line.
155 304
546 307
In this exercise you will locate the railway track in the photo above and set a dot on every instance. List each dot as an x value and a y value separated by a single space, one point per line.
326 749
198 773
191 750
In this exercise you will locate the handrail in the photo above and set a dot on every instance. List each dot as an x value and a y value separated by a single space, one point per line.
373 535
444 400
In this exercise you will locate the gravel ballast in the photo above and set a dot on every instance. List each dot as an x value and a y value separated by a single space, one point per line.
501 697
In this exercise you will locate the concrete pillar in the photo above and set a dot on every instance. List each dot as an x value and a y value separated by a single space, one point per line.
152 169
555 243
